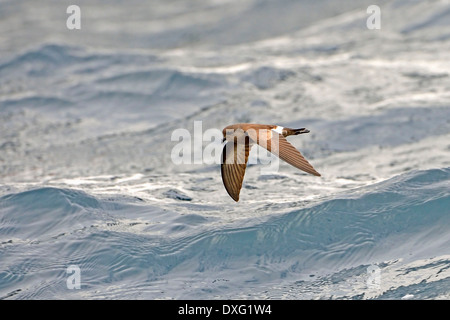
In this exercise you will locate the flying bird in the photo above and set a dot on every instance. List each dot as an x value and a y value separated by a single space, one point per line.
239 140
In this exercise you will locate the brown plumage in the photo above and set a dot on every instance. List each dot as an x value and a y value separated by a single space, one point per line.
240 139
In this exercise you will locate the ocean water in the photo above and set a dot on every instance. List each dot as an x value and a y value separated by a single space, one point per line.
88 186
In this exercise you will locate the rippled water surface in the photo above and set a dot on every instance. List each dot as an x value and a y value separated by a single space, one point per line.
87 180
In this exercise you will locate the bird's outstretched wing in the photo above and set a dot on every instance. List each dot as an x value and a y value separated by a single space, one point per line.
234 163
282 148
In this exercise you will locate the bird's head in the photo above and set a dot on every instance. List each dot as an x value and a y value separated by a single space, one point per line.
231 134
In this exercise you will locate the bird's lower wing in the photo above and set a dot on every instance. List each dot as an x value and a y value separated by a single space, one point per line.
282 148
234 163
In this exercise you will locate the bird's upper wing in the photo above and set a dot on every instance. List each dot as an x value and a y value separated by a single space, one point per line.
279 146
234 162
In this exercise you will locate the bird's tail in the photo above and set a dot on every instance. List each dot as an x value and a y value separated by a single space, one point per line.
291 132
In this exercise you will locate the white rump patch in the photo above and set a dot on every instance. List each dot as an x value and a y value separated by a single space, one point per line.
278 129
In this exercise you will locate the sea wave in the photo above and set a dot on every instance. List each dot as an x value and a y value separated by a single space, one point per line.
116 240
87 178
